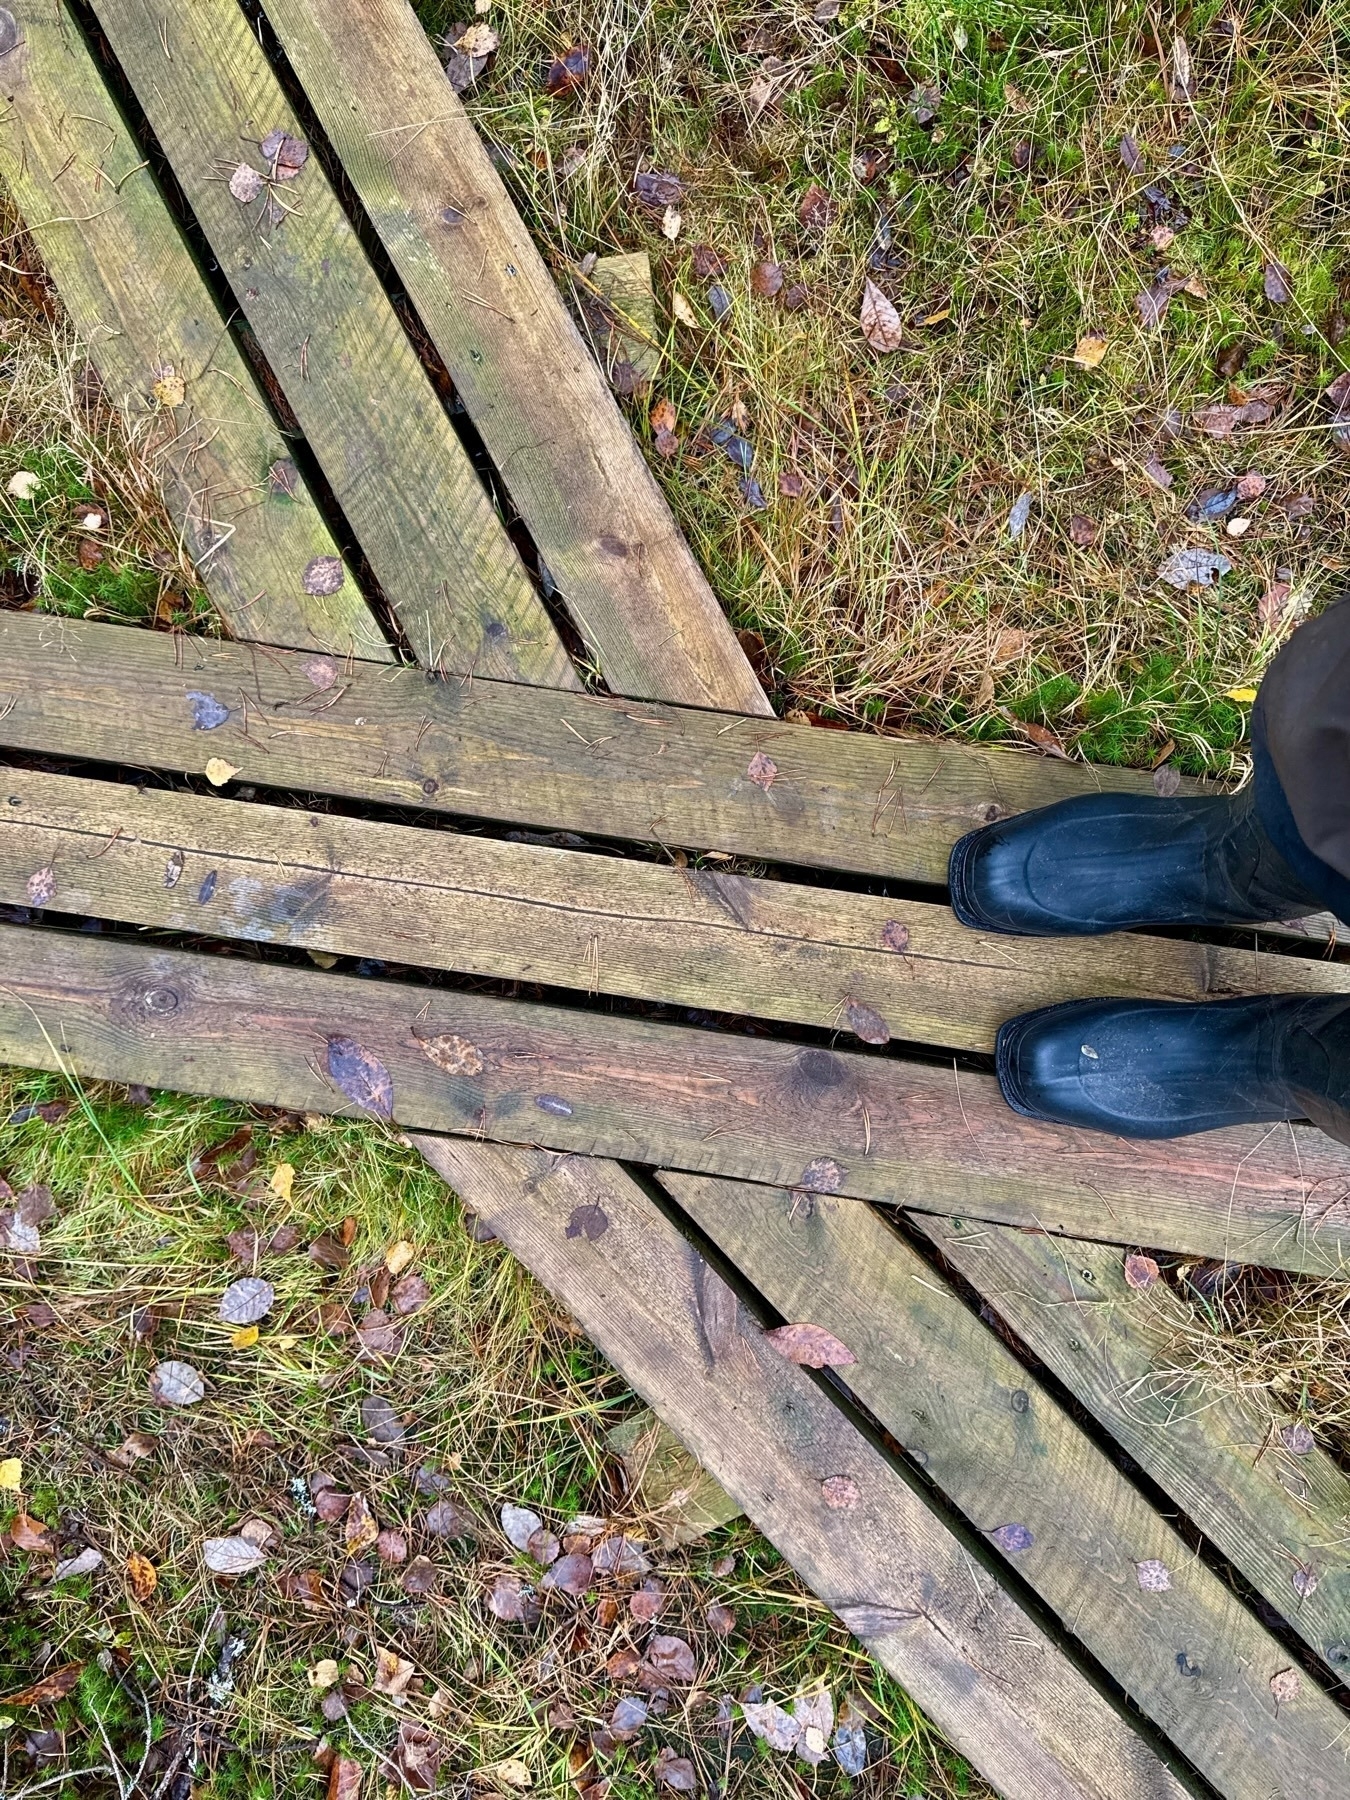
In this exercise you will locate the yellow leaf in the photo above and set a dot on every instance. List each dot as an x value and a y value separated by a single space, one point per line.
287 1341
218 771
1090 351
170 389
143 1574
283 1180
245 1338
324 1674
398 1256
11 1474
324 958
1245 695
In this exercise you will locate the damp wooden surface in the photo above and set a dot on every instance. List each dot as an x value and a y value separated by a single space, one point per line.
595 1083
144 314
700 937
489 749
979 1666
334 344
490 305
997 1446
1281 1514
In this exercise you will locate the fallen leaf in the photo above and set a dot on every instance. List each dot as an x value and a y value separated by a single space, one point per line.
23 484
720 1620
1180 79
766 279
1017 518
176 1384
393 1674
1012 1539
90 553
232 1555
1271 607
1212 503
814 1714
379 1420
675 1772
247 1300
519 1525
895 936
1153 1577
408 1294
1083 531
672 1659
323 1674
282 1181
571 1574
866 1023
619 1555
143 1575
362 1077
767 1720
1044 739
304 1587
1304 1582
26 1533
762 770
360 1528
513 1772
850 1746
1285 1685
1158 472
344 1779
134 1448
879 320
822 1175
245 1338
1276 284
1223 419
647 1603
510 1602
628 1718
169 389
1090 351
420 1577
657 189
840 1492
323 575
246 183
11 1474
398 1256
682 310
218 772
543 1546
1184 567
816 210
590 1221
1162 237
447 1518
567 72
391 1546
50 1689
41 887
811 1346
1297 1439
1238 527
286 155
1140 1271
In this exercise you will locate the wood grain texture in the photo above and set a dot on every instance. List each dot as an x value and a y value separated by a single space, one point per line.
1000 1448
626 574
1281 1515
140 306
531 913
981 1669
338 350
710 1102
662 774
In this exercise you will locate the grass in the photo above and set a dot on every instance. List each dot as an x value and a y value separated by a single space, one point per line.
499 1394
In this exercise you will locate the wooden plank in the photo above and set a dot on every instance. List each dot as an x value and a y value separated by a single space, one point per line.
341 356
672 775
710 1102
626 574
526 912
1282 1516
980 1667
140 305
1000 1448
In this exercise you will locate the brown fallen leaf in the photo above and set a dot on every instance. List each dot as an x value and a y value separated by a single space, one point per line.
361 1528
866 1023
134 1448
568 72
175 1383
345 1776
1275 283
393 1675
672 1659
840 1492
1285 1685
391 1546
721 1620
880 322
1083 531
766 279
143 1576
762 770
1273 604
27 1533
571 1574
49 1690
675 1772
657 189
41 887
816 210
1045 740
1140 1271
647 1602
245 183
409 1293
510 1602
361 1076
1158 472
1090 351
811 1346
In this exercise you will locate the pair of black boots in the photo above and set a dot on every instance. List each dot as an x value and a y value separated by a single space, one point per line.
1153 1068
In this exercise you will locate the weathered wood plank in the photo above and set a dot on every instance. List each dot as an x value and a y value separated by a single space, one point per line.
664 774
1000 1448
714 1103
338 350
1281 1515
526 912
981 1669
141 306
625 572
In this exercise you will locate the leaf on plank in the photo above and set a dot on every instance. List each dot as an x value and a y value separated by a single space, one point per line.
217 772
590 1221
895 936
456 1055
762 770
1012 1539
1154 1577
811 1346
41 886
361 1076
323 575
1141 1271
284 154
1297 1439
208 713
822 1175
1285 1685
841 1492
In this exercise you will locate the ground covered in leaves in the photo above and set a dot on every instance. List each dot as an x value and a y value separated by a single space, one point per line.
304 1488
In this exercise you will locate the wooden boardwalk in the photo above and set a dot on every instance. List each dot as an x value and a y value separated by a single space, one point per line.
692 1100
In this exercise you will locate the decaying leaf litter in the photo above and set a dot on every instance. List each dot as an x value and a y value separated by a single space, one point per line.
380 1535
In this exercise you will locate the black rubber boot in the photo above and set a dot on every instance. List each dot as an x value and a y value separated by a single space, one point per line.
1162 1068
1106 862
